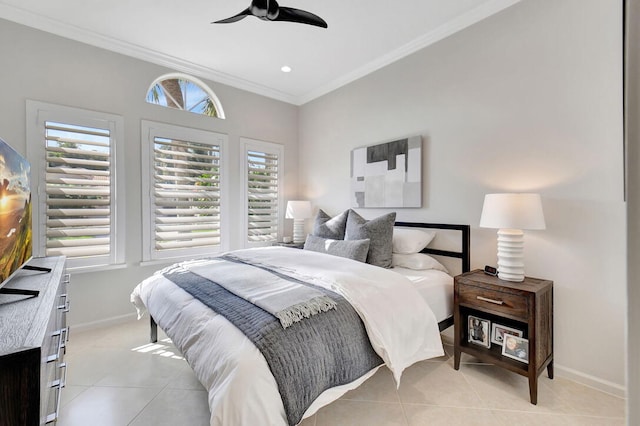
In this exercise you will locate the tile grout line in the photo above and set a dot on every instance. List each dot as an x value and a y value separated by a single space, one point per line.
404 413
147 404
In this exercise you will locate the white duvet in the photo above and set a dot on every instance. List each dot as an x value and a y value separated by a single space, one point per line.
242 391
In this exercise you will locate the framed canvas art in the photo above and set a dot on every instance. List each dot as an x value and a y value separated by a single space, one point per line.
387 174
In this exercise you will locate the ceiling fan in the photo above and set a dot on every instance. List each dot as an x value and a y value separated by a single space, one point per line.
270 10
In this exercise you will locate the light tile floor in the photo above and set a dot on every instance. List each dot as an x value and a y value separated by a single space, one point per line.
116 378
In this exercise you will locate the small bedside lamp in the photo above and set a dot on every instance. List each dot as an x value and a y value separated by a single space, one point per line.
298 211
511 213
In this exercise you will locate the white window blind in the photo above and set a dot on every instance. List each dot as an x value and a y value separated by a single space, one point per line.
78 190
185 191
79 172
186 184
263 166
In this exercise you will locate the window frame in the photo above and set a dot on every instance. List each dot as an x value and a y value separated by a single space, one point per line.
247 145
38 113
149 131
205 88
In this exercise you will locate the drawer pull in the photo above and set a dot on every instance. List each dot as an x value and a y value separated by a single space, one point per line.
62 343
57 385
62 335
494 301
63 380
64 300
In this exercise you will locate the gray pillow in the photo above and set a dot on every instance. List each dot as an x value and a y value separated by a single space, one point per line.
380 233
327 227
356 249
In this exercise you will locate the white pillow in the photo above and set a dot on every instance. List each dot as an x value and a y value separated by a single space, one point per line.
411 240
417 261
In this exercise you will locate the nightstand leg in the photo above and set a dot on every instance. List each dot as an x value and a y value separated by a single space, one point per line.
456 359
550 370
533 390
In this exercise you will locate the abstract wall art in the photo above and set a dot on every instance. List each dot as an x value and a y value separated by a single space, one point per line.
387 174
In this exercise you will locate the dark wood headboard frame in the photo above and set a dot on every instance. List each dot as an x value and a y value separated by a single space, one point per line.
465 251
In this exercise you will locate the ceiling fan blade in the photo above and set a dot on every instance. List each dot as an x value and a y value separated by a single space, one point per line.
234 18
290 14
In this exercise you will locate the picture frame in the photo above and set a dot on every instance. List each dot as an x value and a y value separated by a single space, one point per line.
479 331
498 331
387 175
516 348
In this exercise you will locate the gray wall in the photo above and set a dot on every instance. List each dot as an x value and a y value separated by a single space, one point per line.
39 66
527 100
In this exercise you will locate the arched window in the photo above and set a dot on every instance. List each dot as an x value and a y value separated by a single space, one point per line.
180 91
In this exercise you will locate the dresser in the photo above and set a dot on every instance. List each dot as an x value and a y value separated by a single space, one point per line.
33 336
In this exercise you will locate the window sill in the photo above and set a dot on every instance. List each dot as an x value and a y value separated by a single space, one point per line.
98 268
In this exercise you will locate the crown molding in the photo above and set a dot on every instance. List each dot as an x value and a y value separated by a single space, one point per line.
72 32
458 24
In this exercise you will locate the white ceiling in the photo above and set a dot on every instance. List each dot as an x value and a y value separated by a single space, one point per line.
363 35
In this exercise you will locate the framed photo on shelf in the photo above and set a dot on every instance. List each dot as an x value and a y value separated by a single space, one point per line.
516 347
498 331
479 331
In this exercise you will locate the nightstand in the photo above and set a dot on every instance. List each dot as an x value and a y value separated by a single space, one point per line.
514 308
290 245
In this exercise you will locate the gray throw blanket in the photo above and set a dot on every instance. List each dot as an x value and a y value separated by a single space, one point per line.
323 351
284 298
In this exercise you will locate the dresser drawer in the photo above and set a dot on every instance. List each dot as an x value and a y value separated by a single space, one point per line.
492 300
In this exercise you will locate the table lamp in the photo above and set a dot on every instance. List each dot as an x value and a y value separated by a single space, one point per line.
510 214
298 211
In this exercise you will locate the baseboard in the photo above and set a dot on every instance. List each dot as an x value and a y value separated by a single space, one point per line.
103 323
591 381
566 372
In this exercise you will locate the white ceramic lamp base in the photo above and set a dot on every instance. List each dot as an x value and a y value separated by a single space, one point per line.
511 255
298 231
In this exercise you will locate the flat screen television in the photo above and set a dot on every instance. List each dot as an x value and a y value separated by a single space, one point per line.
15 212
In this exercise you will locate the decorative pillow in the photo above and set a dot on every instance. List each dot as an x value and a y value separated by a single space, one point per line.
378 230
355 249
417 261
327 227
406 240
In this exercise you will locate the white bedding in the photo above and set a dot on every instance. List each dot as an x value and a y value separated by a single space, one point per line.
435 287
242 391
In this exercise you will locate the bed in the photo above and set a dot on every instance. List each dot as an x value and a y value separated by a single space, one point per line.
402 327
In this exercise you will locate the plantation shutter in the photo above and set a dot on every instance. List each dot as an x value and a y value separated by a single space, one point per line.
262 194
78 188
186 195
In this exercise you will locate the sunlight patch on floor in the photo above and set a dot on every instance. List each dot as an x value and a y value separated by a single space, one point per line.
159 349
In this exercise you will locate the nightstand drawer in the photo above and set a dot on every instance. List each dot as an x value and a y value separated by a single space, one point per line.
505 303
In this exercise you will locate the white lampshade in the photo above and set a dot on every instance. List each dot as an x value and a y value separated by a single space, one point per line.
298 210
511 213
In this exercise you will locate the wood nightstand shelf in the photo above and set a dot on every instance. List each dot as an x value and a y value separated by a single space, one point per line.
526 306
